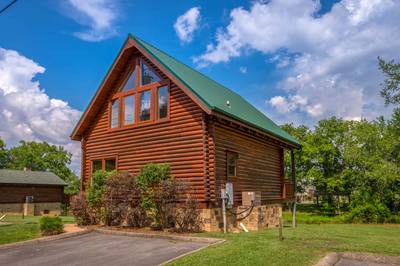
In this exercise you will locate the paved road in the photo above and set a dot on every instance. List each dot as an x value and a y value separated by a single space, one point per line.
97 249
351 262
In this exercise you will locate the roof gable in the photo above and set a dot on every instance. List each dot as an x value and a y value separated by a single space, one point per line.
207 93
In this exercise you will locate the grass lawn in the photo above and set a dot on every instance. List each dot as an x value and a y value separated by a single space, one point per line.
304 245
23 229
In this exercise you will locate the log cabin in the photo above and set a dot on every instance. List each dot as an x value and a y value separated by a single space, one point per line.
150 107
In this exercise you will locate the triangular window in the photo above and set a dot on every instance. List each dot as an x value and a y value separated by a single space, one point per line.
130 83
148 75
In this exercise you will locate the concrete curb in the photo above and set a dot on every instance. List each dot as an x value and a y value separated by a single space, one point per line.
333 258
191 252
45 239
150 235
329 260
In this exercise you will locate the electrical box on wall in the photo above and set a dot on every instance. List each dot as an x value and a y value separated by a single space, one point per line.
250 198
229 193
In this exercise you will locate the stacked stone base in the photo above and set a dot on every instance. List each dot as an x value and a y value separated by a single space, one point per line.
30 209
259 217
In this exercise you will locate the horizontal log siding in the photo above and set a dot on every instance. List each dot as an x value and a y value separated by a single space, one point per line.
178 142
259 164
17 194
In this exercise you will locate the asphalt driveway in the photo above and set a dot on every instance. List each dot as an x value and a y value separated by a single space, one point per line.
97 249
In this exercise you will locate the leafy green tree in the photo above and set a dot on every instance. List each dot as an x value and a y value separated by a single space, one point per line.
3 154
391 87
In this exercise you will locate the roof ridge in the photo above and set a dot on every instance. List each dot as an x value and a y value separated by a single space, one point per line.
183 63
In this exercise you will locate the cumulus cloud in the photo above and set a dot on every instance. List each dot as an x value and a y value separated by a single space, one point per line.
187 24
27 112
98 16
331 58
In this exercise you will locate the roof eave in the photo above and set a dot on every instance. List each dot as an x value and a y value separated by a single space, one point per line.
219 112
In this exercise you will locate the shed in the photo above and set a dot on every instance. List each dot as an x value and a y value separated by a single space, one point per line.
30 192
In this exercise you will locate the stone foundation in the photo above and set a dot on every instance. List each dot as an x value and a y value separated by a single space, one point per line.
40 208
263 216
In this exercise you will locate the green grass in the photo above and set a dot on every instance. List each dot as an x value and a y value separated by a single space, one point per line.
23 229
304 245
313 218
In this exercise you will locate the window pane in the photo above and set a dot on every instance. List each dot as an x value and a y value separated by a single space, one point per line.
148 75
129 109
131 82
110 165
231 164
96 165
162 101
114 113
145 103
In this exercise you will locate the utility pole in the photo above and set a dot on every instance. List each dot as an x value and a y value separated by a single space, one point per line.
294 188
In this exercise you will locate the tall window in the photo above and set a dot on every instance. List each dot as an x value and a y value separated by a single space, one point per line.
231 164
130 83
162 102
148 75
114 113
145 104
129 109
142 97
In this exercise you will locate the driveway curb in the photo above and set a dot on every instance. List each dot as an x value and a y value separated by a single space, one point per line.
45 239
170 237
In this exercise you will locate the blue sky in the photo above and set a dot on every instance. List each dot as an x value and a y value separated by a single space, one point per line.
298 61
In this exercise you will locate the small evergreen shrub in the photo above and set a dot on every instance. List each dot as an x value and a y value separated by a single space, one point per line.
51 225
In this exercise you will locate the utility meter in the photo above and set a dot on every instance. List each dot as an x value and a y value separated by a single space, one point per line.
229 194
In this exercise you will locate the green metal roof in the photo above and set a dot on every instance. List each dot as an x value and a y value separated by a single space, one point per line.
215 96
29 178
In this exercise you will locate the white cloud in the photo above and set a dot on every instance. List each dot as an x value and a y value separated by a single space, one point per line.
243 69
98 16
330 59
27 112
187 24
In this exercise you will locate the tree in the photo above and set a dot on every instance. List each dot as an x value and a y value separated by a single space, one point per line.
3 154
391 87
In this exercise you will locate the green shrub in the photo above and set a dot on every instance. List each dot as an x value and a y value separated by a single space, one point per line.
51 225
149 179
152 174
96 188
369 213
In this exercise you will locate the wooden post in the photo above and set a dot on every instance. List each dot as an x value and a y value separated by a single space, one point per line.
280 229
294 188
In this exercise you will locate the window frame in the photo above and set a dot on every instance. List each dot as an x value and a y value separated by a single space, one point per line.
156 103
153 88
235 154
103 162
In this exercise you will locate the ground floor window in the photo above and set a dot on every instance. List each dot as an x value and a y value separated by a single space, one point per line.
108 164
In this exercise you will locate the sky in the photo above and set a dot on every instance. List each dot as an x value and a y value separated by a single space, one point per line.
298 61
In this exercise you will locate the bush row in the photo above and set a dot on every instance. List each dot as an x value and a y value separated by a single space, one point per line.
153 198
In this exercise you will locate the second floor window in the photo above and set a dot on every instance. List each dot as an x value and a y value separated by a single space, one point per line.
115 113
143 97
145 105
